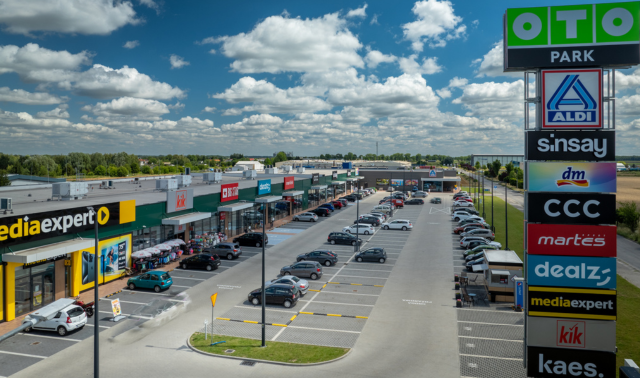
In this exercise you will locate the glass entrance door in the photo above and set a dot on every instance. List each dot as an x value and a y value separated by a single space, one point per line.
41 290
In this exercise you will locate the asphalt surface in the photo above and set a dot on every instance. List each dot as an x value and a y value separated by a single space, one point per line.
410 331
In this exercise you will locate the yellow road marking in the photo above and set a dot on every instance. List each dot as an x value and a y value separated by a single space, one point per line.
362 317
250 321
356 284
333 315
278 325
293 317
223 318
308 313
314 290
337 283
378 285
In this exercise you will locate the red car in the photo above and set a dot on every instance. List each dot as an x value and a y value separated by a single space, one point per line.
398 202
458 230
337 204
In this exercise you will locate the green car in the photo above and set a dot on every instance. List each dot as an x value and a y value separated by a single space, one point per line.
478 249
157 280
436 200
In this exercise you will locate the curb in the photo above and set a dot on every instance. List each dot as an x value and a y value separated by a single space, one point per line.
264 361
112 294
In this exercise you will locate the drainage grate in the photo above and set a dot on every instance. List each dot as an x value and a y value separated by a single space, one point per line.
248 363
229 350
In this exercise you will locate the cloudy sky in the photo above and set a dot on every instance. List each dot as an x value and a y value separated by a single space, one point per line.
213 77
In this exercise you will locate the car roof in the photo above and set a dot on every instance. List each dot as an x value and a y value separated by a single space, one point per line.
157 272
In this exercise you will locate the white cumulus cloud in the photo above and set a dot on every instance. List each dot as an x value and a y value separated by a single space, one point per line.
375 57
492 63
130 107
177 61
20 96
358 12
38 64
428 66
131 44
436 24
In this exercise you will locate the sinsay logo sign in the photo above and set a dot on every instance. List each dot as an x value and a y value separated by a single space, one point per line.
570 145
571 99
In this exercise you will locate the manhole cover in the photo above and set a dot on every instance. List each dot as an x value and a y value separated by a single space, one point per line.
248 363
355 291
229 350
35 343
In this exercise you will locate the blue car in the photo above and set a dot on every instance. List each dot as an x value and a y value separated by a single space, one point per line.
328 206
156 279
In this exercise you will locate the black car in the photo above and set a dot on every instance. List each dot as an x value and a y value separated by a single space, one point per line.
368 220
251 239
282 294
325 257
350 198
468 210
414 201
343 238
321 211
372 254
201 261
436 200
476 243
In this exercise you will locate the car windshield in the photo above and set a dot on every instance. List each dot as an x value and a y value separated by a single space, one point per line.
165 276
295 279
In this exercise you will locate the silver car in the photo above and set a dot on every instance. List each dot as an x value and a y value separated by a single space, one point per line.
306 217
420 194
228 250
464 242
302 285
311 269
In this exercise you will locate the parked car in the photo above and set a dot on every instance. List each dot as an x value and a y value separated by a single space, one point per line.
469 221
251 239
328 206
487 234
420 194
458 216
350 198
460 229
467 210
398 224
414 201
470 264
398 202
284 294
385 216
374 221
365 229
375 254
157 280
321 211
324 257
306 217
382 208
483 242
68 319
337 204
311 269
228 250
474 256
464 242
343 201
343 238
462 204
201 261
436 200
301 284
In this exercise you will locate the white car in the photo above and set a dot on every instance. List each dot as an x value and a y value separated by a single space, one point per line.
384 215
307 217
399 224
420 194
379 216
462 204
462 216
68 319
365 229
302 285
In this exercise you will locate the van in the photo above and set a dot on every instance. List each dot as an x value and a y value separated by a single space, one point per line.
398 202
382 208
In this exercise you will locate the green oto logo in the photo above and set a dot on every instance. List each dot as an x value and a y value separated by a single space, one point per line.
575 35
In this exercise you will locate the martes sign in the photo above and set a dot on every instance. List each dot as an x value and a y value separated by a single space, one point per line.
32 227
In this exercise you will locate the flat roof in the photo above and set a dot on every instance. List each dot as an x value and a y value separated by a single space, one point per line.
48 251
268 199
317 187
186 218
500 256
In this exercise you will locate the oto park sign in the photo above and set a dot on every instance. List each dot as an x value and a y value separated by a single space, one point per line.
587 35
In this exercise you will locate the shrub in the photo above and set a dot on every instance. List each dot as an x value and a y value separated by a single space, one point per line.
123 171
146 169
113 171
157 170
628 215
513 181
521 184
100 170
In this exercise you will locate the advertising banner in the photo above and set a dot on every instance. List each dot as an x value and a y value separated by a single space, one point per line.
27 228
179 200
587 272
572 208
334 175
115 256
572 177
229 192
519 292
289 182
571 240
570 145
573 334
264 186
559 302
556 363
315 179
411 182
115 307
348 173
382 182
588 35
572 99
357 171
396 182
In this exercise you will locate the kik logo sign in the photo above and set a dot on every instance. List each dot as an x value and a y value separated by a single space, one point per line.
571 333
572 98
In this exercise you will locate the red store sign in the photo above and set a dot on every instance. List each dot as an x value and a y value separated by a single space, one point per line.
571 240
288 182
229 192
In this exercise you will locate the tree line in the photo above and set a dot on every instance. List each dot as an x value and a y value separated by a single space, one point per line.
418 159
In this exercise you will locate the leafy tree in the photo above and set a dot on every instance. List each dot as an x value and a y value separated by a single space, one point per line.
509 167
4 178
495 167
628 215
268 161
165 170
113 171
145 169
477 165
352 156
281 156
237 156
447 160
157 170
5 161
123 171
153 160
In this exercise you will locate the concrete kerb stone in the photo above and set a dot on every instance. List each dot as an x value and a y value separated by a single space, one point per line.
264 361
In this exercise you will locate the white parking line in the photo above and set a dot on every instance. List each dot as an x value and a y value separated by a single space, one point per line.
378 278
91 325
121 301
503 312
498 324
50 337
188 278
347 304
268 309
181 286
23 354
144 292
322 329
131 315
497 358
371 270
337 292
487 338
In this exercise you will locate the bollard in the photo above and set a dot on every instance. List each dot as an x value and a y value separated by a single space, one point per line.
206 330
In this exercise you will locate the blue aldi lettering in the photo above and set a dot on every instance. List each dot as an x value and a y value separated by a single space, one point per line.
572 98
571 116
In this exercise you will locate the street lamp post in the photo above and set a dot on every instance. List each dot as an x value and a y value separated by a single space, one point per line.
264 296
493 227
356 247
483 214
506 221
96 300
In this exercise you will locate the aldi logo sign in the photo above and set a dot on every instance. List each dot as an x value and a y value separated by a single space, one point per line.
571 240
572 99
229 192
587 272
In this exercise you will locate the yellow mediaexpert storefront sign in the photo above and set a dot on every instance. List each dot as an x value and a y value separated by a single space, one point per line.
114 258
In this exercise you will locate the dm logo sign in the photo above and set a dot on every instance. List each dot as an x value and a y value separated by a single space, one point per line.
572 177
572 99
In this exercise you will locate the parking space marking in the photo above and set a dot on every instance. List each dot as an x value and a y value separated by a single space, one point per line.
252 322
49 337
189 287
91 325
337 292
377 278
354 284
497 358
346 304
267 308
498 324
130 315
188 278
487 338
372 270
139 303
144 292
22 354
323 329
337 315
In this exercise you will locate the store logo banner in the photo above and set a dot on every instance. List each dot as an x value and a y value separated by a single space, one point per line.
570 145
334 175
572 208
289 182
264 186
229 192
571 99
556 362
561 302
572 177
572 334
179 200
571 240
587 272
348 173
315 179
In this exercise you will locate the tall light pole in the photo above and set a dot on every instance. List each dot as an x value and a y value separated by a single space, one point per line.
506 221
96 299
356 247
483 214
264 296
493 227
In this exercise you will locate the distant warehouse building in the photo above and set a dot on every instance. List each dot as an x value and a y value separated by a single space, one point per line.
433 180
504 159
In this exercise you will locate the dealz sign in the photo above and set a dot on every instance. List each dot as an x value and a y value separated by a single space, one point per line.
572 99
555 362
588 272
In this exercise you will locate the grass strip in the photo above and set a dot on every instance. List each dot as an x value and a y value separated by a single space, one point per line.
515 218
275 350
628 325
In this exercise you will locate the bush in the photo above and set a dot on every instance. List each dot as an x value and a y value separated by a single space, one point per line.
135 167
165 170
513 181
521 184
157 170
628 215
113 171
100 170
146 169
123 171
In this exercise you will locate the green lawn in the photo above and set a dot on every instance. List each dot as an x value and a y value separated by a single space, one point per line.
275 351
516 223
628 326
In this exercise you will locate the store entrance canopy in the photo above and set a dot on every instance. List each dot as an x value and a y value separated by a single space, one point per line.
269 199
318 187
500 272
339 183
185 219
48 251
235 206
293 193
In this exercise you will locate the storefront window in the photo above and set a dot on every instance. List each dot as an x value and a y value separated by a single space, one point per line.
34 287
214 224
314 197
433 186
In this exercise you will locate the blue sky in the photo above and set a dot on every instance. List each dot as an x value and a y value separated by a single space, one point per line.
158 77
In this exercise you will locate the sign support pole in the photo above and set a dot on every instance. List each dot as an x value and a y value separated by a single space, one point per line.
506 218
263 294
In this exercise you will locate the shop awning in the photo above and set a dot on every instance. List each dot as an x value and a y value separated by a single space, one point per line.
318 187
479 267
500 272
48 251
236 206
268 199
184 219
338 183
293 193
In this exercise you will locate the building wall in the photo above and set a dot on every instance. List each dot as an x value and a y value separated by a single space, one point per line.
504 159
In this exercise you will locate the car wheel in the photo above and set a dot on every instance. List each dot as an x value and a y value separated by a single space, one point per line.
209 268
258 245
62 331
456 219
327 263
404 228
382 260
386 227
296 219
332 242
287 274
314 276
313 220
230 256
156 289
353 242
255 301
132 286
287 304
366 232
184 266
301 260
359 259
28 329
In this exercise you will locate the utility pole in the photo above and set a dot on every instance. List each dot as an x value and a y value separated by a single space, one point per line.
264 296
506 219
96 299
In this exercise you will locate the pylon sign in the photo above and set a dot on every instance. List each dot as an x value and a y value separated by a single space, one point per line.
572 99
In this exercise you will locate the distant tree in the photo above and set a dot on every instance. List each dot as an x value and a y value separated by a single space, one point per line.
477 165
113 171
495 167
628 214
268 161
509 167
447 160
281 156
236 156
145 169
418 158
123 171
351 156
100 170
153 160
4 178
135 167
157 170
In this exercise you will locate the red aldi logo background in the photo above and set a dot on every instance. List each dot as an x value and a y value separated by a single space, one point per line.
229 192
289 182
571 240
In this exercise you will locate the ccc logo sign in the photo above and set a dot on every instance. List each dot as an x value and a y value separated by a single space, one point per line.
103 216
553 208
